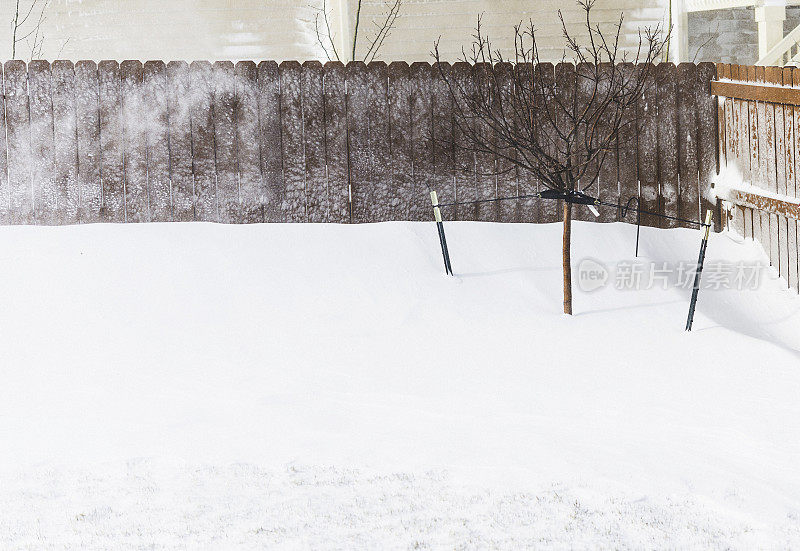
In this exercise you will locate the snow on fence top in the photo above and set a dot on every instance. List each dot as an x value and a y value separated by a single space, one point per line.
247 143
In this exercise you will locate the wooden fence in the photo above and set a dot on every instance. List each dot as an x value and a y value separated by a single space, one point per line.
759 136
246 143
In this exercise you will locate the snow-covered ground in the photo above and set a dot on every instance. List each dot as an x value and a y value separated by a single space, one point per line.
317 386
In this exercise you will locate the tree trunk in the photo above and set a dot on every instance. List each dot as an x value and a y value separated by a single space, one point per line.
565 258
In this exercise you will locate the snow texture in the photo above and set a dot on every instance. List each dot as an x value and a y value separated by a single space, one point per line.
326 386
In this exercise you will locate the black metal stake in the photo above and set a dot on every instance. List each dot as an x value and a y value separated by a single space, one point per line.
697 275
437 214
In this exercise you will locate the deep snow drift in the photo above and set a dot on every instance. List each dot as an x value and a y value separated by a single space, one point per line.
317 386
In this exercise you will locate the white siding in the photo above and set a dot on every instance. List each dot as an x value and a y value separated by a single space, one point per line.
283 29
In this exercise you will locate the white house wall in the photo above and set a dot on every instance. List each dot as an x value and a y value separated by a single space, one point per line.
283 29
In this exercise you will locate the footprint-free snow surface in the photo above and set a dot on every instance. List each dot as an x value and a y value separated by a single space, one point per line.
320 386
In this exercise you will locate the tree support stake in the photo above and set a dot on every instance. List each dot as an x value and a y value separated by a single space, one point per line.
700 261
437 214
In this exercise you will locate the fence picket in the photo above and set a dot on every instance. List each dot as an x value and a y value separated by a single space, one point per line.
421 147
609 176
269 108
40 97
314 141
65 143
294 161
225 143
336 152
159 192
402 172
87 105
656 118
628 177
443 146
248 150
180 140
205 176
688 197
5 192
134 131
707 151
377 207
111 140
466 183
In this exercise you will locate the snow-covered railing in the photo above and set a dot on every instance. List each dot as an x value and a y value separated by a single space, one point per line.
784 52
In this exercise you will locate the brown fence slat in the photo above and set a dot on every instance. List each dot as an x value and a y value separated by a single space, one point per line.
358 137
46 197
111 140
65 142
707 125
465 180
202 83
668 141
688 196
775 75
338 183
628 177
5 194
767 156
19 152
378 207
655 116
486 162
443 145
180 140
159 192
402 168
294 163
135 142
87 106
225 143
248 151
314 141
544 73
584 88
507 211
421 147
792 76
752 218
608 176
269 107
528 184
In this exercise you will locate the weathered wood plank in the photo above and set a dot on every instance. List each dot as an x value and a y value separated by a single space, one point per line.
656 122
180 140
792 76
528 184
761 177
314 141
248 151
377 207
269 102
137 208
294 162
549 211
628 177
775 75
19 143
112 170
465 178
756 91
767 157
507 211
338 183
402 169
486 168
65 143
225 143
202 114
358 132
688 194
707 138
5 192
421 146
40 96
87 105
156 115
609 177
443 144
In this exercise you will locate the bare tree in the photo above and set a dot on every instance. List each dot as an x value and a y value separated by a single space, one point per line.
374 41
559 130
27 26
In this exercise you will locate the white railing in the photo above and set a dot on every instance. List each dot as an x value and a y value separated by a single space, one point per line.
785 52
